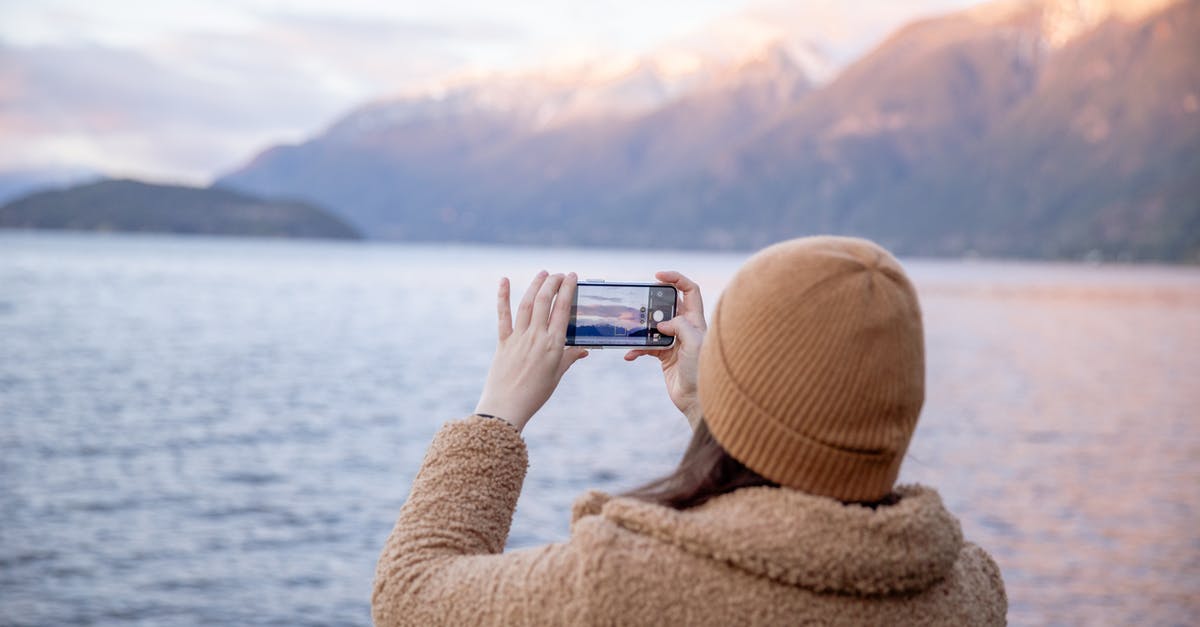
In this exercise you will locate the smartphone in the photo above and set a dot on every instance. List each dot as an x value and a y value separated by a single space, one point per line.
622 315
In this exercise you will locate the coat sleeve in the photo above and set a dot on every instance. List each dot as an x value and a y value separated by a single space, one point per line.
443 562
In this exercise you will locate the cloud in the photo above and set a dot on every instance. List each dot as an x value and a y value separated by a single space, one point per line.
189 88
622 318
100 106
344 29
607 312
194 103
592 296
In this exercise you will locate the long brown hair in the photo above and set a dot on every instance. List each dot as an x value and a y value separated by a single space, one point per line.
705 471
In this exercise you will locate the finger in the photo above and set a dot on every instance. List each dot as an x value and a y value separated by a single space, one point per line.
634 354
504 309
681 282
543 300
681 328
563 301
569 357
525 309
689 291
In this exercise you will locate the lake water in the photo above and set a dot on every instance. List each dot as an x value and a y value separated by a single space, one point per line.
204 431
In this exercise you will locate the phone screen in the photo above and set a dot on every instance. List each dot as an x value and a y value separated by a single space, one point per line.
621 314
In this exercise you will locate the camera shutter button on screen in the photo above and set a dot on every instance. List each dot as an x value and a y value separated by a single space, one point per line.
658 315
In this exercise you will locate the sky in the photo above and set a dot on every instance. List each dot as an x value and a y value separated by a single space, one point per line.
187 90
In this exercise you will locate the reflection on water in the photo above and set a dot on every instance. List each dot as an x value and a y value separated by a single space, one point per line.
1062 427
208 431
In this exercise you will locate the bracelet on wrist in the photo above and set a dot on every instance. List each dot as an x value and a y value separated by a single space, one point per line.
482 415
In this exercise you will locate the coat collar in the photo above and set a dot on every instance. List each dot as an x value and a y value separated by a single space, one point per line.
804 540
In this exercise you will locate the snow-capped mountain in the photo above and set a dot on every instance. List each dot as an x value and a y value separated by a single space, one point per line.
1029 127
1061 21
546 97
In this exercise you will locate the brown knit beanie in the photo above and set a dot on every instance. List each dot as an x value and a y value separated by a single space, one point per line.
813 372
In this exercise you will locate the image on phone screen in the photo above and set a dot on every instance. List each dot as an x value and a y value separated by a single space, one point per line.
615 314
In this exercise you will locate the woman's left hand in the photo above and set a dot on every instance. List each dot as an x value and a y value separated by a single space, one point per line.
530 355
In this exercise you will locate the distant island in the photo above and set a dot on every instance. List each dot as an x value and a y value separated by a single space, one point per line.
137 207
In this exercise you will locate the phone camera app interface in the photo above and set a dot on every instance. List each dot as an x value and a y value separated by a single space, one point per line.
619 315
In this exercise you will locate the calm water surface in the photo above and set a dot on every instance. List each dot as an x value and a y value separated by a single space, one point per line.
201 431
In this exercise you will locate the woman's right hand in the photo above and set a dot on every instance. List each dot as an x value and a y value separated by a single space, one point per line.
680 363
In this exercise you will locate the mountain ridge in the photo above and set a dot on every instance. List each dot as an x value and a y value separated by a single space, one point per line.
930 143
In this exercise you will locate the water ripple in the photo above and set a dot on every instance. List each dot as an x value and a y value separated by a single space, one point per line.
212 432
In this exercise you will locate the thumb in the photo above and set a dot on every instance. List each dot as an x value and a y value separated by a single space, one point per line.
569 357
634 354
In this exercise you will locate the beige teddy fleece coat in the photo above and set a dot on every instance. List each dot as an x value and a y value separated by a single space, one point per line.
757 556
